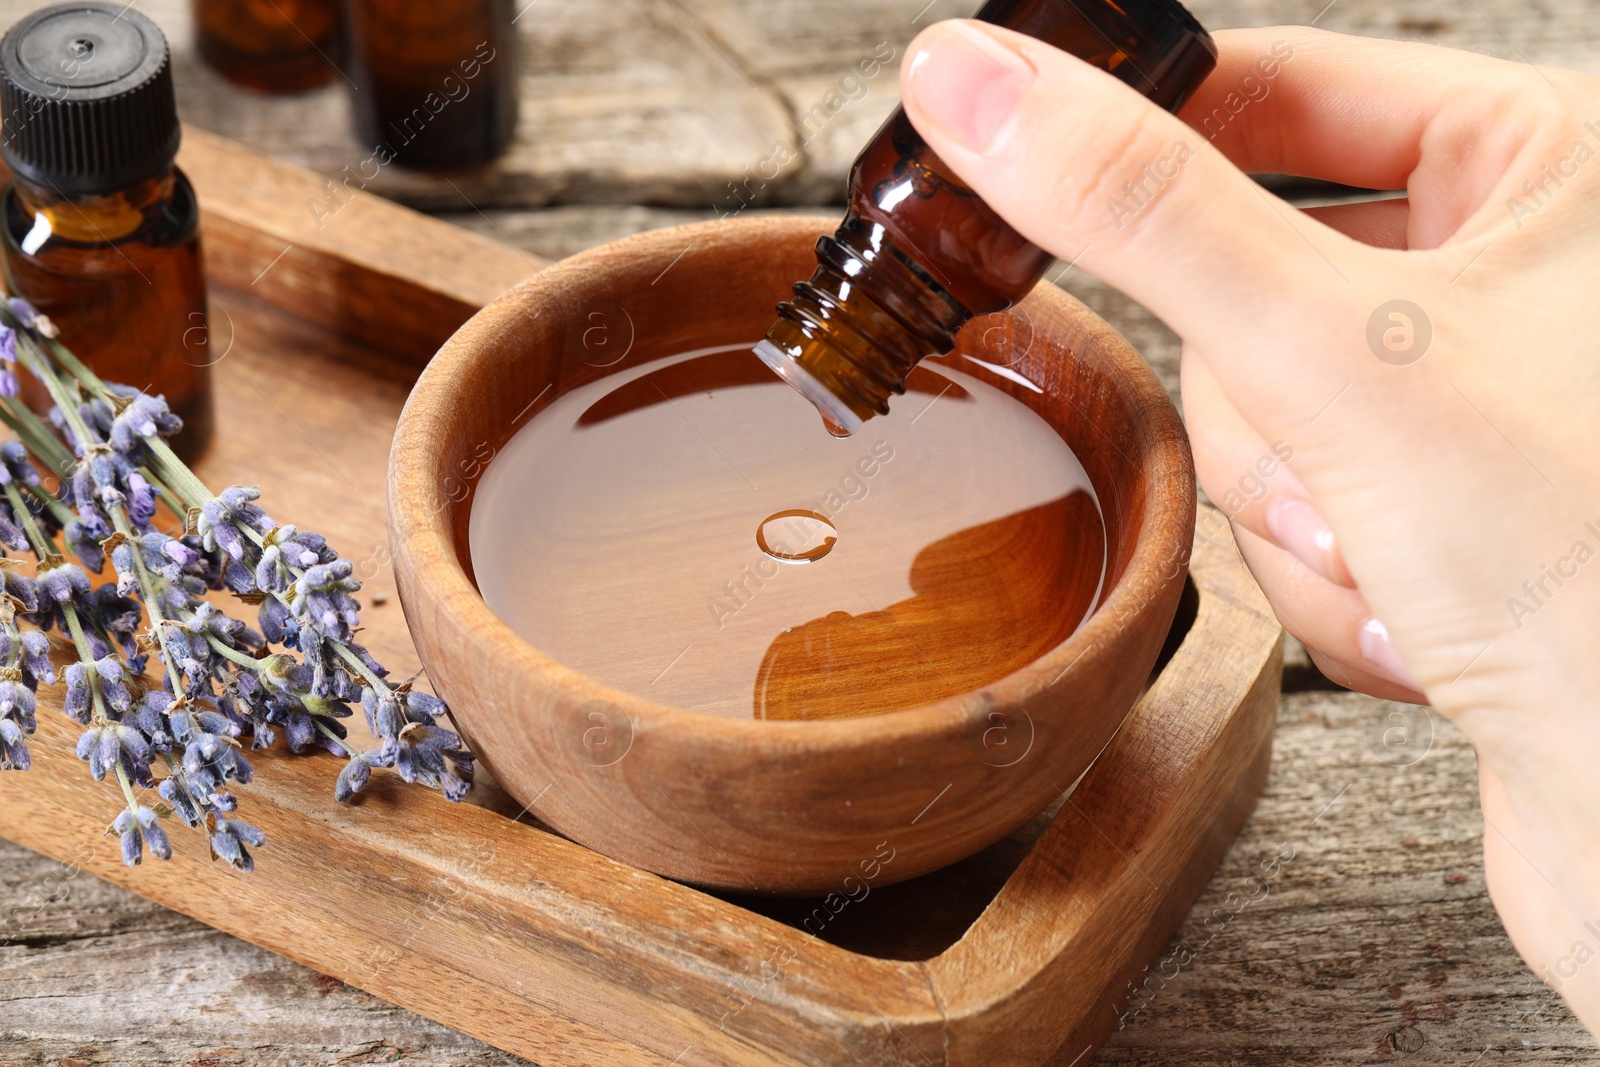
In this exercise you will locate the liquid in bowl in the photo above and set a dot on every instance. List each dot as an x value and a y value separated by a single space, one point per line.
684 531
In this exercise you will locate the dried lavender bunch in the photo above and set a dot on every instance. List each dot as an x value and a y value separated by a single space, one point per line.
219 679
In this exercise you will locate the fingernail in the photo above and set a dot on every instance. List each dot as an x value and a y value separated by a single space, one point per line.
968 84
1300 530
1381 656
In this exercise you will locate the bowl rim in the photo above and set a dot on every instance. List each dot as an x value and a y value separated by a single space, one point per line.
422 532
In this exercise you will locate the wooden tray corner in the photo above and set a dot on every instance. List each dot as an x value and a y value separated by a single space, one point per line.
497 927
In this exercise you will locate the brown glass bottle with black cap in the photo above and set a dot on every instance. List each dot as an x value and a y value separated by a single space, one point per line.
273 46
102 231
436 80
919 254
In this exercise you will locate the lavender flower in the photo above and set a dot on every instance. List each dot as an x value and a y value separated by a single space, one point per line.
116 619
141 501
197 785
64 582
14 470
16 699
164 555
278 624
124 564
221 680
79 700
229 841
22 663
321 598
353 779
27 651
131 824
83 536
14 755
8 361
210 762
11 534
434 757
286 549
112 686
150 717
384 717
227 522
145 416
189 725
389 713
175 791
113 745
21 590
35 659
422 707
154 835
127 825
17 707
29 318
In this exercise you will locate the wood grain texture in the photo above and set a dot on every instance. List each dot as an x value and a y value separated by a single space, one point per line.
732 823
1377 942
1379 926
667 101
414 923
1362 939
556 953
537 945
345 260
1154 834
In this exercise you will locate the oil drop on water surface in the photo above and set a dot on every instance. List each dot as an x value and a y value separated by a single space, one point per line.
796 536
681 532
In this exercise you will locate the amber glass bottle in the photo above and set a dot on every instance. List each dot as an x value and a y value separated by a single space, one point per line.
919 254
275 46
101 229
436 79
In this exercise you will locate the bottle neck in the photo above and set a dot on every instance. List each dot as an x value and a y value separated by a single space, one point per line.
92 219
876 306
853 333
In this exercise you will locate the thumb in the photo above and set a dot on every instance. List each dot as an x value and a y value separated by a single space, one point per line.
1097 175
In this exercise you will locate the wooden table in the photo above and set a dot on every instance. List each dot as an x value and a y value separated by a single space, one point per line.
1377 942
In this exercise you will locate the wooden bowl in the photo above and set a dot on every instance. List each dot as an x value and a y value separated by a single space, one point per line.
791 807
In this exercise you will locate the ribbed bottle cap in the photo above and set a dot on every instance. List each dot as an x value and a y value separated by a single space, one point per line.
86 93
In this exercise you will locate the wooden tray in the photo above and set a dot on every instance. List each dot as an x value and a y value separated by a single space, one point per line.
487 922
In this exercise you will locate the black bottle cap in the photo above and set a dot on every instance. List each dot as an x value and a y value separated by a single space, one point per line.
86 98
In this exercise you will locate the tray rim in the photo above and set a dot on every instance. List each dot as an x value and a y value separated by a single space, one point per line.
937 1006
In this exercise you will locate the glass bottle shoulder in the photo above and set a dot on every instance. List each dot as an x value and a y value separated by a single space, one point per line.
160 213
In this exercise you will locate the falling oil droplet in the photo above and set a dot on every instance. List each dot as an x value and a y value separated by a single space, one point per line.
835 428
796 536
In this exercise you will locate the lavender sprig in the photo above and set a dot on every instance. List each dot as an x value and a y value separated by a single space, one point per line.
219 679
24 663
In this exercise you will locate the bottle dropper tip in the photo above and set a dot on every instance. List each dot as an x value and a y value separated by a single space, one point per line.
836 416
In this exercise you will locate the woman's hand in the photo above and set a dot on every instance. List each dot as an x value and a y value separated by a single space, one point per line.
1432 364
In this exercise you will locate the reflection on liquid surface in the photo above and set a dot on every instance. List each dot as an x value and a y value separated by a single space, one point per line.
620 532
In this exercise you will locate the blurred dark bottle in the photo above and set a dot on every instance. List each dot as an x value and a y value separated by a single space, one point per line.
918 253
102 231
436 80
275 46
